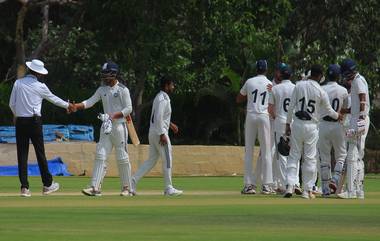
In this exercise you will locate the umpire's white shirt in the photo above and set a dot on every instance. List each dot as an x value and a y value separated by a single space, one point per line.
257 94
114 99
161 114
358 86
280 98
27 95
338 97
309 96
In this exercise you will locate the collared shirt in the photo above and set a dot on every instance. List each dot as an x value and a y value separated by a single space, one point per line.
114 99
280 98
338 96
310 97
359 86
161 114
257 94
27 95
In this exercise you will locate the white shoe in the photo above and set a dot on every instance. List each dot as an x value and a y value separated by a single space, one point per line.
25 192
288 191
171 191
266 190
125 192
53 188
346 195
91 192
248 189
308 195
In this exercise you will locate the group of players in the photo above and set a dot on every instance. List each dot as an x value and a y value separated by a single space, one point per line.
25 103
324 111
309 118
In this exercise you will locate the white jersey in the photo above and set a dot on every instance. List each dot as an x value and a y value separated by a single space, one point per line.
257 94
359 86
27 95
338 97
114 99
280 98
310 98
161 114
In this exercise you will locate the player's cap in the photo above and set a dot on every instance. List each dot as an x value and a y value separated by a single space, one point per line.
261 65
285 69
279 65
110 66
348 67
333 71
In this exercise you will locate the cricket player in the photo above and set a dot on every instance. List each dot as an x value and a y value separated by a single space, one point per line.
117 104
331 132
257 124
159 141
359 123
307 102
279 101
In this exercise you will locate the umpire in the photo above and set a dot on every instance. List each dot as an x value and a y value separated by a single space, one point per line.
25 103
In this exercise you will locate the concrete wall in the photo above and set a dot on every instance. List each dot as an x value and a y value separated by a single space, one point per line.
187 160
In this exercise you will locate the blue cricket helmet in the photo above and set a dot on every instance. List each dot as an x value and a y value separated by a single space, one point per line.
333 71
110 66
348 67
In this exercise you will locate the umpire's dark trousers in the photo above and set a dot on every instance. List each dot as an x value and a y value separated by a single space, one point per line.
30 128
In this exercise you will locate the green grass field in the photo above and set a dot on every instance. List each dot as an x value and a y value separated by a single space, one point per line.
211 209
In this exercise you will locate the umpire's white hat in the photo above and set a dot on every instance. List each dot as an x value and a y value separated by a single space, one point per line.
37 66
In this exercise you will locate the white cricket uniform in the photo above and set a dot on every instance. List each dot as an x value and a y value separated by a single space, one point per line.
356 147
280 98
159 124
258 178
308 100
332 135
257 124
114 99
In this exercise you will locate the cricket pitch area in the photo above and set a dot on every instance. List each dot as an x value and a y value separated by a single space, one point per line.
211 208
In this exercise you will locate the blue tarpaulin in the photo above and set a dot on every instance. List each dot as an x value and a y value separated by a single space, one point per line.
56 167
71 132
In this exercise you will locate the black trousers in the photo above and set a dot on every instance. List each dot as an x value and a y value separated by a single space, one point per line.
30 128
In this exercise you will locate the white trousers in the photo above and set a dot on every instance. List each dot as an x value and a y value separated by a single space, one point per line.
156 151
355 163
258 125
117 138
331 135
303 142
280 161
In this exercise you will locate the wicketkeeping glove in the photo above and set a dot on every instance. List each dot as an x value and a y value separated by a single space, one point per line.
283 146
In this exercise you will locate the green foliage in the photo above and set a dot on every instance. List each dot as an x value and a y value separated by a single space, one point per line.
209 47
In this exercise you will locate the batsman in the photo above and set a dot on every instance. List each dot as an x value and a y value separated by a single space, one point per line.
117 105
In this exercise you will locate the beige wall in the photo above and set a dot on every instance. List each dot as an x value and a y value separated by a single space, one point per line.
187 160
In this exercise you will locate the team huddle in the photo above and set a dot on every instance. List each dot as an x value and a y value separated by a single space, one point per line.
297 126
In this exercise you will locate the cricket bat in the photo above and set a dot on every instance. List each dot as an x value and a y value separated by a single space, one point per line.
132 131
342 179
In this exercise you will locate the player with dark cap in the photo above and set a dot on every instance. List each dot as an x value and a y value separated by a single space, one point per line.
359 124
331 132
257 125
